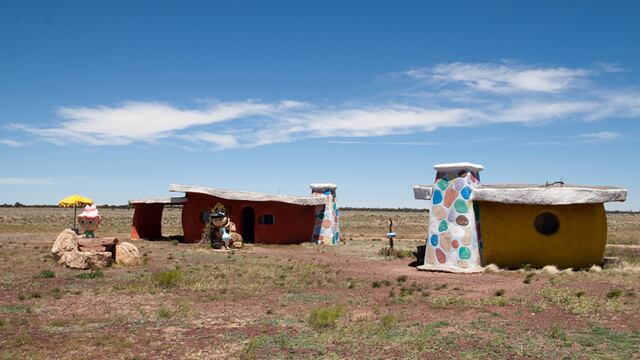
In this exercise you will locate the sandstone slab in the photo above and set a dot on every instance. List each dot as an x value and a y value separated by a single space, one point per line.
127 254
83 253
67 241
87 259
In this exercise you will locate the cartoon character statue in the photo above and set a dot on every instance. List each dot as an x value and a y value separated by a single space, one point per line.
89 220
220 231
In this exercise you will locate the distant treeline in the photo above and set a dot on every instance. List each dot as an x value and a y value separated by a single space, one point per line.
107 206
20 205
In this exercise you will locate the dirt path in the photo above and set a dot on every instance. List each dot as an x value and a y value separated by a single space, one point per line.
370 270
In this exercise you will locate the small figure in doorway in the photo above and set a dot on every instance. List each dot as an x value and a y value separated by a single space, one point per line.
220 231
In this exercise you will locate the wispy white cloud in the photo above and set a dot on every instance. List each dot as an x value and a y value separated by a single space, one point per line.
424 100
623 103
501 78
600 136
540 111
415 143
484 140
401 143
610 67
24 181
145 121
545 143
10 142
587 138
380 120
220 141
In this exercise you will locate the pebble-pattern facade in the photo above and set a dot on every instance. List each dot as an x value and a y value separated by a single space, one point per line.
454 241
327 226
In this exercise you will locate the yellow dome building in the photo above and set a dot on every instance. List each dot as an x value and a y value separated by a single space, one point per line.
472 225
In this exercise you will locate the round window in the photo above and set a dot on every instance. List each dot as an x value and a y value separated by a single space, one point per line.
547 223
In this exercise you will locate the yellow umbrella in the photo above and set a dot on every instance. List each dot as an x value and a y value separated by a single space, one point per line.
75 200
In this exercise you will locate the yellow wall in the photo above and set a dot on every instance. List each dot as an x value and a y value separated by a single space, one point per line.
510 238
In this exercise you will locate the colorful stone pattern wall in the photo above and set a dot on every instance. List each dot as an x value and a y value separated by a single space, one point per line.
454 241
327 226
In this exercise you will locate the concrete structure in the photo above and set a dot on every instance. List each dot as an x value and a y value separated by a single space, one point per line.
260 218
453 242
472 225
327 226
147 216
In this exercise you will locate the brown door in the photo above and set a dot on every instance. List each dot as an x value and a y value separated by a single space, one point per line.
248 225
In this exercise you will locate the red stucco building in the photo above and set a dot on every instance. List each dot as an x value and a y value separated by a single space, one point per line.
259 218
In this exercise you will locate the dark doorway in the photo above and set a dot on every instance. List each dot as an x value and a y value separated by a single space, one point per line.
248 225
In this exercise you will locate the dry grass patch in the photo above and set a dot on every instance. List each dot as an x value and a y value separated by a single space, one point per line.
241 275
325 317
258 303
580 303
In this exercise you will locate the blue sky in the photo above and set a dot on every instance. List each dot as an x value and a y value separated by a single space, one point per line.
116 100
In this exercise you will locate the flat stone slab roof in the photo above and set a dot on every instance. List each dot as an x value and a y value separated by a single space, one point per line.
165 201
458 166
548 195
422 192
249 196
329 186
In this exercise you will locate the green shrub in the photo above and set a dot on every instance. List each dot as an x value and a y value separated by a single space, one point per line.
29 296
46 274
167 279
528 278
392 293
499 292
93 274
557 333
614 294
445 301
526 267
325 317
57 293
407 291
351 284
15 309
389 321
577 303
401 279
400 254
603 341
441 287
164 313
175 242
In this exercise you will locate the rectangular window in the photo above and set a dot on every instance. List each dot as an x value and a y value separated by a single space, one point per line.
268 219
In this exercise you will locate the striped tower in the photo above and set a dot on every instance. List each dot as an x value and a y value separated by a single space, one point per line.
454 242
326 229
